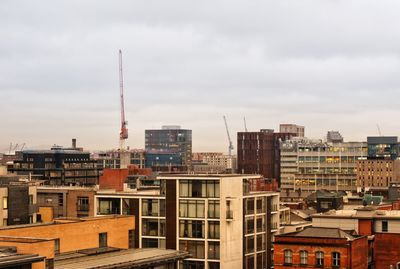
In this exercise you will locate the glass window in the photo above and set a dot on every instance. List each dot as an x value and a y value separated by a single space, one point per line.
213 250
213 209
319 258
191 209
213 229
288 256
150 207
250 244
303 257
196 248
336 259
191 228
213 265
249 206
249 225
260 242
150 227
5 202
149 243
102 240
260 205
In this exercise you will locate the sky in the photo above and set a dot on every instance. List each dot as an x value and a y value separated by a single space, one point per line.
324 64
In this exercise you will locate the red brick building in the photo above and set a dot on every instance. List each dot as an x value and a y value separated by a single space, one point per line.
259 152
316 247
115 178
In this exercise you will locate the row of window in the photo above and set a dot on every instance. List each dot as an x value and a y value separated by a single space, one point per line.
319 258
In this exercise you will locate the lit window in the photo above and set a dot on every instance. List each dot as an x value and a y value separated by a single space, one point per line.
319 258
5 202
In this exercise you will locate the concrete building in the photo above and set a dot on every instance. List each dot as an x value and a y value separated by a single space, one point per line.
112 158
259 152
224 220
170 140
308 165
58 166
334 137
292 128
213 162
316 247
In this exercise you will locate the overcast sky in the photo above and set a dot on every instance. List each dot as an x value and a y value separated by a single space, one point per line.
327 65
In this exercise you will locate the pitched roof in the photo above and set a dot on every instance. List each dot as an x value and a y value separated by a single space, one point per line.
322 232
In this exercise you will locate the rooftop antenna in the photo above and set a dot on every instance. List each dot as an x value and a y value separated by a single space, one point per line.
245 125
123 134
230 148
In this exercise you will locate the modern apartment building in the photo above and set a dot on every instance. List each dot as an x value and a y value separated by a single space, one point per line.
170 140
259 152
308 165
58 166
224 220
292 128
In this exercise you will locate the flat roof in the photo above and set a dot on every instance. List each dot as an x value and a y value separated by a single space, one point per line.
208 175
130 258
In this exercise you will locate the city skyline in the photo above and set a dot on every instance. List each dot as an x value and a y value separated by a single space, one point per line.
324 65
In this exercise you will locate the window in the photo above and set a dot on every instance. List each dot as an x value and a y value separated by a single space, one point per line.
288 256
319 258
303 257
213 250
150 227
385 226
191 209
249 244
213 229
196 248
102 240
150 207
131 235
250 206
149 243
336 259
213 265
60 199
31 199
5 202
83 204
260 242
213 209
57 246
249 225
260 205
191 228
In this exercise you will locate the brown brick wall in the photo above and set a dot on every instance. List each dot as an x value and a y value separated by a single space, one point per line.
72 202
386 250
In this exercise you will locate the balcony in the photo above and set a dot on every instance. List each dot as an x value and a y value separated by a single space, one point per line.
229 215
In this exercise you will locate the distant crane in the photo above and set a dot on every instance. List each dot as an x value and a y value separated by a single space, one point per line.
230 148
379 130
123 134
245 125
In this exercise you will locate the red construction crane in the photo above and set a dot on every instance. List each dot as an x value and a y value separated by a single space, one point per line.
123 134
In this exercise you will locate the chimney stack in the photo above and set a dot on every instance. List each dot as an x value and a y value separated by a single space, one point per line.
74 143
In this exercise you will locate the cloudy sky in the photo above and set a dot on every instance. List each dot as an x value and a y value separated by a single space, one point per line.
328 65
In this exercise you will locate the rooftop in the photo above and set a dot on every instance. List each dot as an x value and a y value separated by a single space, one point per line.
131 258
322 232
208 175
366 212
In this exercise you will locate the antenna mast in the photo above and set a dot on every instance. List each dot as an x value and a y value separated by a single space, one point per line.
245 125
230 148
123 134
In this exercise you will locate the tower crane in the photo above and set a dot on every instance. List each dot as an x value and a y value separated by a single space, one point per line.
230 148
123 134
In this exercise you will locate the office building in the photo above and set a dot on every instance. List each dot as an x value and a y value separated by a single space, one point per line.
112 158
213 162
383 147
292 128
58 166
377 174
172 141
259 152
308 165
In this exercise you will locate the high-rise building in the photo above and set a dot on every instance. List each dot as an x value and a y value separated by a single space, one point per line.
259 152
292 128
383 147
172 141
377 174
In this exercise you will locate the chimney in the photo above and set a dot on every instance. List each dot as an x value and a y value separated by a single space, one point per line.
74 143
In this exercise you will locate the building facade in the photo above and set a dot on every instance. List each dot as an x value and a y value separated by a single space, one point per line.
171 140
383 147
259 152
292 128
377 173
112 158
213 162
224 221
58 166
308 165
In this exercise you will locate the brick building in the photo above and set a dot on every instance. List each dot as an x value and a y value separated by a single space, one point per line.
259 152
321 248
377 174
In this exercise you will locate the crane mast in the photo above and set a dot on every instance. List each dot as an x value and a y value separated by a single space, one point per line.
123 134
230 148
